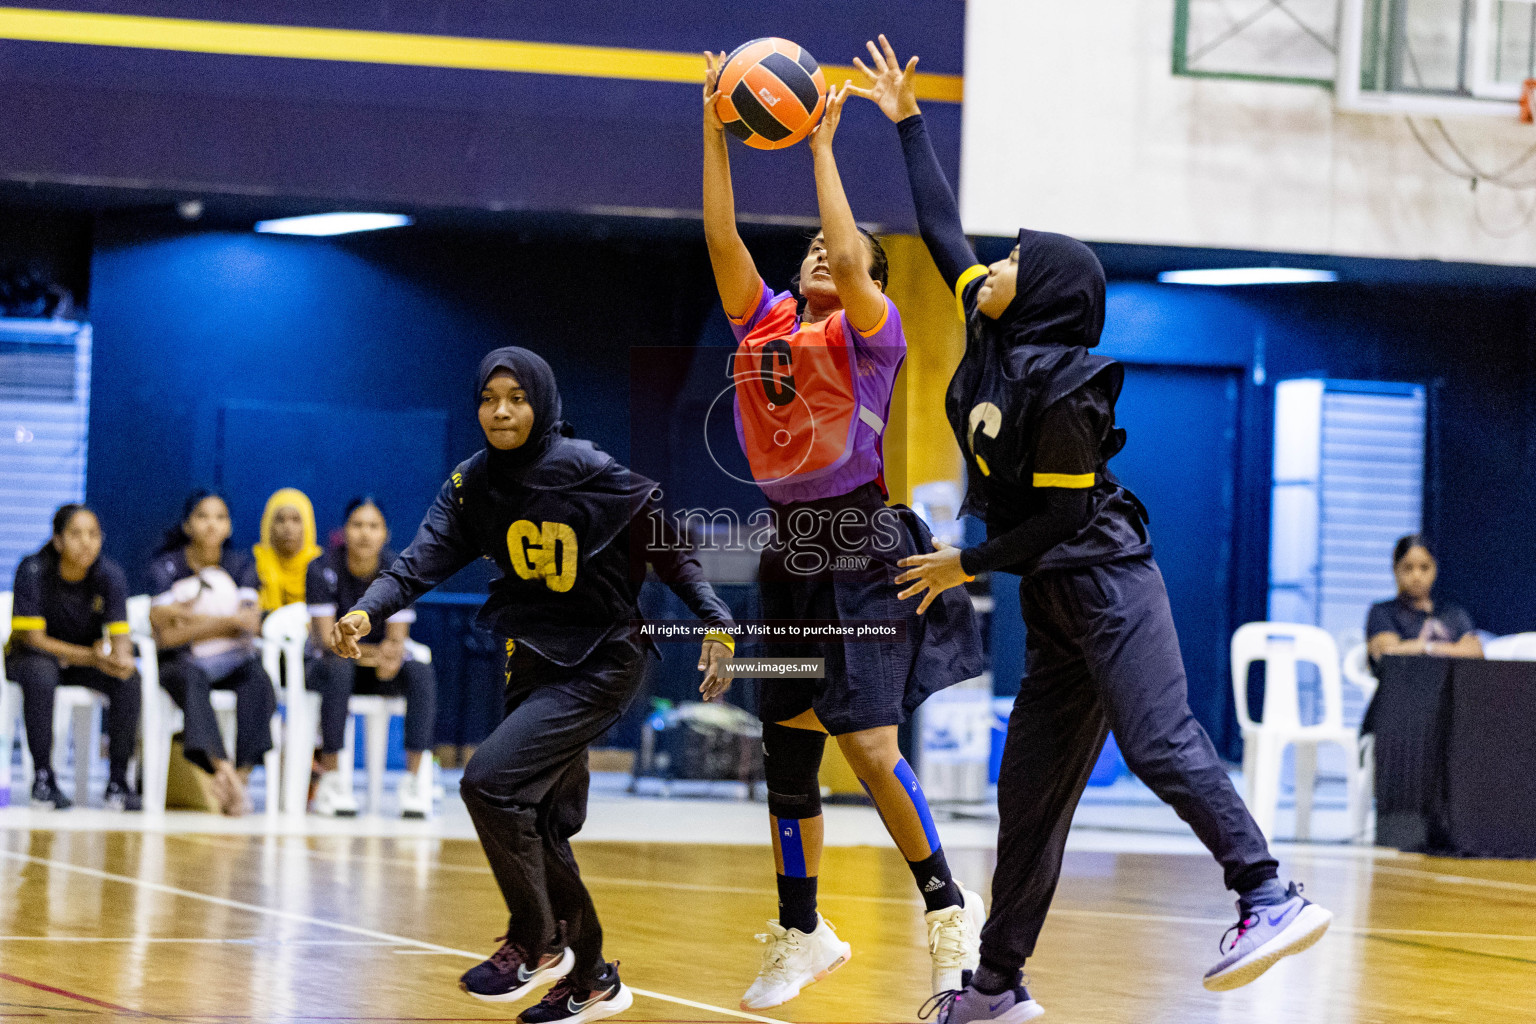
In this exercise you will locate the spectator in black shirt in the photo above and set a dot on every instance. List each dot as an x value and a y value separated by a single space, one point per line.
1414 622
69 625
206 620
336 582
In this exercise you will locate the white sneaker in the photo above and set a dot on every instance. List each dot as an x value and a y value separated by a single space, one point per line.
333 797
954 941
794 960
416 791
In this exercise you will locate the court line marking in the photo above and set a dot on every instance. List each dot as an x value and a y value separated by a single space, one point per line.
72 995
253 941
293 915
741 890
1454 949
1445 879
1370 860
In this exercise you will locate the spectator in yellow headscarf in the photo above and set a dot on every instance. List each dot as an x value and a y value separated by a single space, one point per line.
282 562
286 549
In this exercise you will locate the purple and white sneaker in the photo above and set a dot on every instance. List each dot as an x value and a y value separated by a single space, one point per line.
1264 935
967 1005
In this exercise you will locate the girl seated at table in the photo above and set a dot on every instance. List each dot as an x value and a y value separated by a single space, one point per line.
1413 622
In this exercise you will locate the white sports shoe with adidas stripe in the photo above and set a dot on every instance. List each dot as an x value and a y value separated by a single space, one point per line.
954 940
793 960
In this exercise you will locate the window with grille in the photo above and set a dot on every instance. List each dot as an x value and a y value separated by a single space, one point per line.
45 387
1348 481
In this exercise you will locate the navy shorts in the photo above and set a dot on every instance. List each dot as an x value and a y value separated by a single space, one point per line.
835 572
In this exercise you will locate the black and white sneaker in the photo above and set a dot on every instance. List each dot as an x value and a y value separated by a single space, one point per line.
566 1004
46 791
120 798
511 971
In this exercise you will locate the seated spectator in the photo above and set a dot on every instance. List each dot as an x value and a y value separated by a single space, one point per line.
206 620
1413 622
336 582
69 625
283 558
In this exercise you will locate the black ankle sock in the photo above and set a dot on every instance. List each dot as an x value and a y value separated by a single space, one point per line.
990 981
797 903
935 882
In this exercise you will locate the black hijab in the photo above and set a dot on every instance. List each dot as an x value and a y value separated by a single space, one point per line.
1060 295
538 383
1032 356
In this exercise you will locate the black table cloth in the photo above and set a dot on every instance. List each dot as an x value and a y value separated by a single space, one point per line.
1456 756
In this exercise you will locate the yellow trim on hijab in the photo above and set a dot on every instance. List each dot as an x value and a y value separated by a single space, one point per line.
282 579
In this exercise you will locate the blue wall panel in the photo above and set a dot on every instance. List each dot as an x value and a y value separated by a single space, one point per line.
187 325
422 136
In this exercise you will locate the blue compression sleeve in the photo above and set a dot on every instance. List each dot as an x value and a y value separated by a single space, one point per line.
908 779
791 848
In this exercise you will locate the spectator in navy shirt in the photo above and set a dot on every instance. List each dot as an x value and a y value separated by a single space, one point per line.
335 583
69 625
1414 622
206 620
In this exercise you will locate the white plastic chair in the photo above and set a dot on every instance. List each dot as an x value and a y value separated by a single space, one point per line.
1519 647
284 634
376 711
79 706
161 718
1280 645
1357 672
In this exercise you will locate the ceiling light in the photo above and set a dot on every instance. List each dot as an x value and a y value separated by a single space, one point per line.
332 223
1247 275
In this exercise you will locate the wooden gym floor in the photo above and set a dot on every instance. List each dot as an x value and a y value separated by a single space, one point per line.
130 926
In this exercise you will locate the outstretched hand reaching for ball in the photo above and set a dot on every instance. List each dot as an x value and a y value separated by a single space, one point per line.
895 88
713 63
821 135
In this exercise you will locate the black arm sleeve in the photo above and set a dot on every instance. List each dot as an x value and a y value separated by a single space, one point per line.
938 215
440 549
680 571
1066 512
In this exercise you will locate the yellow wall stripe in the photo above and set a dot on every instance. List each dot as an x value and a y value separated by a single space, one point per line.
966 277
1073 480
364 47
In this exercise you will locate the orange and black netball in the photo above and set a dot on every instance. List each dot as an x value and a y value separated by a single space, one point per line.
771 93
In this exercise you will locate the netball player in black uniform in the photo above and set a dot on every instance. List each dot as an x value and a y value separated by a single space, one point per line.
69 625
1033 412
570 530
